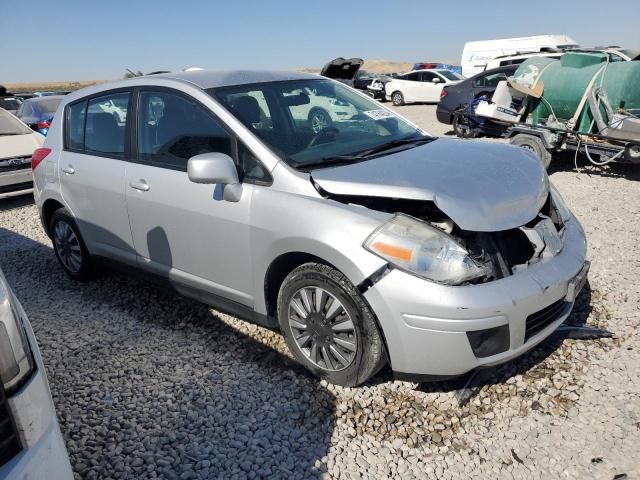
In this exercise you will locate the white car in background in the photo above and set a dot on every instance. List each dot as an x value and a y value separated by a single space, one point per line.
31 445
17 143
310 108
322 111
420 86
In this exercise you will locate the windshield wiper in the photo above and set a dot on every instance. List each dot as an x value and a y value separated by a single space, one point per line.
365 154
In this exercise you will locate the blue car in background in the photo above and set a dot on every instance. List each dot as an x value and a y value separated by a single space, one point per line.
38 112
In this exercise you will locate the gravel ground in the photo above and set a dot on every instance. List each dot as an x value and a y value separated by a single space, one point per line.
148 384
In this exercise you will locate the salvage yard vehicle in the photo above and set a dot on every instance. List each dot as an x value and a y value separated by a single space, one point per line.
31 445
454 97
37 112
17 143
582 103
419 86
367 242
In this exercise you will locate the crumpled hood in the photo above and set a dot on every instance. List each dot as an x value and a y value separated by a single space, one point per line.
481 186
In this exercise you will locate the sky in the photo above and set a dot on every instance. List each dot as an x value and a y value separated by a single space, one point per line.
98 39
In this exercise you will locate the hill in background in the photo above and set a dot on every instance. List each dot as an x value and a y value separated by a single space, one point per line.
376 66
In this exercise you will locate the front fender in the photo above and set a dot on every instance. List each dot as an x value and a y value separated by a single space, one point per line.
326 229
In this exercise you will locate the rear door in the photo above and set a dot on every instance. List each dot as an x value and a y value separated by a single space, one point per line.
92 174
185 231
411 88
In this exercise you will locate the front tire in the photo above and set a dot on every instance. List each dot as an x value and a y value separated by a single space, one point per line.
69 247
397 98
328 327
534 144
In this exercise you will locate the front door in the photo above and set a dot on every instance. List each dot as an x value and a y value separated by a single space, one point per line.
430 92
92 174
182 230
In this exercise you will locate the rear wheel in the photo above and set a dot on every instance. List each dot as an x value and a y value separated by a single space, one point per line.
397 98
328 326
69 247
534 144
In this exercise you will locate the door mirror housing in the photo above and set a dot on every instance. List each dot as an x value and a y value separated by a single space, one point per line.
216 168
435 80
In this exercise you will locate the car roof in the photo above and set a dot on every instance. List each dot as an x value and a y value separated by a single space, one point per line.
226 78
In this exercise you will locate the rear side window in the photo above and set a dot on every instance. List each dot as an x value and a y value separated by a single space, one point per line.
75 125
105 126
415 76
172 129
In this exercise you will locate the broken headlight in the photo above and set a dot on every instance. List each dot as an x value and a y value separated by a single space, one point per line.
558 201
16 359
423 250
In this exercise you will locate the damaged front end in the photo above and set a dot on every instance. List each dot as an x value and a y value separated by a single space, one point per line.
456 256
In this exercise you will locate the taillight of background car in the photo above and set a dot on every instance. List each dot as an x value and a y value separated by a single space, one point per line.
38 156
43 126
443 93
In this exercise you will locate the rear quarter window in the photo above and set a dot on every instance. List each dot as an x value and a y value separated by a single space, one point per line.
76 115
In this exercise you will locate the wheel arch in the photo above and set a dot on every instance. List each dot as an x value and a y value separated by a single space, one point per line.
278 270
49 207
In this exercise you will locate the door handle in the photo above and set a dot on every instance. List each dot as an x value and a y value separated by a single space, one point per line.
69 170
140 185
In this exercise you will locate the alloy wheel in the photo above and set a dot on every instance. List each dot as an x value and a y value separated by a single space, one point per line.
322 329
319 122
67 246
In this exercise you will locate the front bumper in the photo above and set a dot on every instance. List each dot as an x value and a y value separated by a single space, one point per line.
425 324
44 454
16 182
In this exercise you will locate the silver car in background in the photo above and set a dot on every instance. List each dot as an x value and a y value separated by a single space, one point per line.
366 241
31 445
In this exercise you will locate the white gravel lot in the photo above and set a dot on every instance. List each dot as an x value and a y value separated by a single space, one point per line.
151 385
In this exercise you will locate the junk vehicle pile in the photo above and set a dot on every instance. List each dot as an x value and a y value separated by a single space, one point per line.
582 102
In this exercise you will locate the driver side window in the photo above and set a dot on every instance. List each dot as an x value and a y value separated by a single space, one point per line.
172 129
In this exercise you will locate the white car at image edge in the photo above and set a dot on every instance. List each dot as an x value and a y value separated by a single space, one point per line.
31 445
420 86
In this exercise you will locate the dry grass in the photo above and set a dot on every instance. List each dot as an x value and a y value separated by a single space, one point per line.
375 66
48 86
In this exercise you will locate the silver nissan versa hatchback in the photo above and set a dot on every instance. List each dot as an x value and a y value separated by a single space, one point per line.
364 239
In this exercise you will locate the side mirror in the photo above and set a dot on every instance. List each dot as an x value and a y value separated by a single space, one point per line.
216 168
435 80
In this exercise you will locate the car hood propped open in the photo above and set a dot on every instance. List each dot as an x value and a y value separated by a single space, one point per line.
342 69
482 187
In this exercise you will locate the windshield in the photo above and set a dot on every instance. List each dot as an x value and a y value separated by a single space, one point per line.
449 75
49 105
10 125
308 121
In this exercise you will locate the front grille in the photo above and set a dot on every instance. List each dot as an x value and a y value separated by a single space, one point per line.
536 322
6 167
9 441
15 168
16 187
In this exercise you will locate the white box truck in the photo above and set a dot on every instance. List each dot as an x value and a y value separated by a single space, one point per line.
476 55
